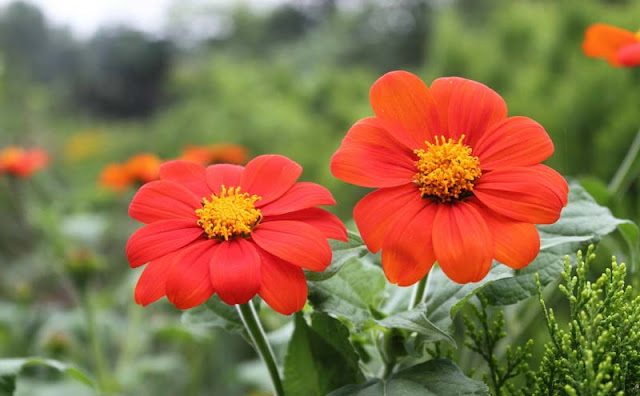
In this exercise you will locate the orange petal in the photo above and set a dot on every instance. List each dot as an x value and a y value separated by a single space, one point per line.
370 157
269 177
327 223
409 255
466 107
514 141
629 55
227 175
604 41
164 200
283 286
515 243
302 195
235 271
462 242
152 283
188 281
404 104
187 173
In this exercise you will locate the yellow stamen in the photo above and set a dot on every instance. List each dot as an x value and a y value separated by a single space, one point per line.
229 215
446 170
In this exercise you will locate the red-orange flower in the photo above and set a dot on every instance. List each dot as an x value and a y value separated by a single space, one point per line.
22 163
225 153
459 182
232 230
619 46
140 168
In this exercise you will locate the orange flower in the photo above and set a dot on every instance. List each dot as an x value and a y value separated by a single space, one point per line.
216 154
619 46
458 181
22 163
232 230
141 168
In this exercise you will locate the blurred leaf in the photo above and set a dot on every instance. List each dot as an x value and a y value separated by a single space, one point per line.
437 377
582 223
320 358
352 293
10 368
342 253
597 189
416 320
214 313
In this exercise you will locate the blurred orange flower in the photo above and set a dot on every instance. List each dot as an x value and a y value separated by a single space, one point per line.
22 163
140 168
216 154
620 47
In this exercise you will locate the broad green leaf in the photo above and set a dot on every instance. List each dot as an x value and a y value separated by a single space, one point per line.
320 357
214 313
582 223
437 377
417 320
351 294
10 368
342 253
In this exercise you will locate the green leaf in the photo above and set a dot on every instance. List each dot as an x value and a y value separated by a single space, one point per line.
582 223
10 368
342 252
214 313
437 377
319 358
351 293
418 321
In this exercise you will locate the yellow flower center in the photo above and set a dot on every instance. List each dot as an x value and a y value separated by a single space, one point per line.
229 215
446 170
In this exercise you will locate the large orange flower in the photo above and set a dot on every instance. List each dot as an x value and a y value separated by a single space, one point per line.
22 163
619 46
231 230
459 182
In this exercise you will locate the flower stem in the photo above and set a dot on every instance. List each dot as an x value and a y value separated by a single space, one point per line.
626 171
99 361
252 324
418 292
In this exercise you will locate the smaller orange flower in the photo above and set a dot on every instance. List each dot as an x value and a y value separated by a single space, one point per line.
620 47
22 163
141 168
216 154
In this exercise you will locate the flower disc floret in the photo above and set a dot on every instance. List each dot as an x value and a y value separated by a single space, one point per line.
447 170
229 215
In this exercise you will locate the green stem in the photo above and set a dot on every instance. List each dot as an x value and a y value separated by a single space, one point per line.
418 292
94 339
252 324
626 171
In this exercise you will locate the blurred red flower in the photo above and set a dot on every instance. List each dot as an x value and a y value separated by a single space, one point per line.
225 153
22 163
459 182
140 168
231 230
619 46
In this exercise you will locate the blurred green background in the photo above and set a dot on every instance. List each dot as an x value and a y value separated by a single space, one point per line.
289 79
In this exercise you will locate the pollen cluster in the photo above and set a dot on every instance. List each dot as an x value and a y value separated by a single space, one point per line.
229 215
446 169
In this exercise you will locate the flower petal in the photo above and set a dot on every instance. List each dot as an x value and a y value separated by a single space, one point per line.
283 285
302 195
235 271
403 103
188 281
515 243
603 41
408 256
370 157
629 55
375 211
327 223
514 141
295 242
269 177
521 193
227 175
164 200
187 173
462 242
466 108
160 238
153 281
